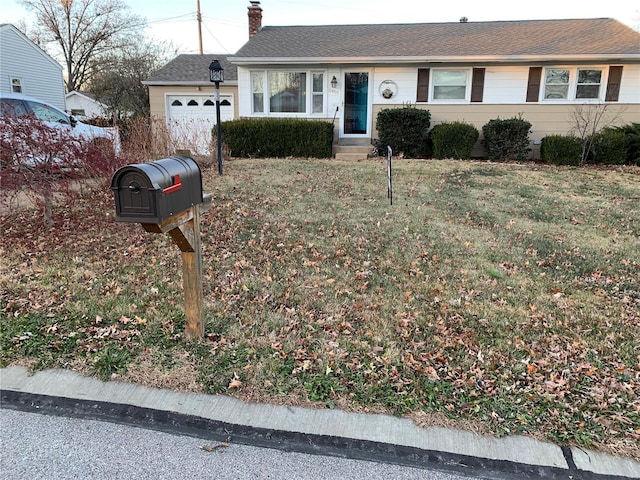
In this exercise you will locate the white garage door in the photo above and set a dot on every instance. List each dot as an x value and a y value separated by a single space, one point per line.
190 119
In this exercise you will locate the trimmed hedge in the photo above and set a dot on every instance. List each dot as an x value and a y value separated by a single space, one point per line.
561 150
453 140
506 139
609 147
405 130
277 137
632 132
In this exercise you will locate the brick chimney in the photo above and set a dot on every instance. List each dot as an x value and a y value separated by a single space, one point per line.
255 18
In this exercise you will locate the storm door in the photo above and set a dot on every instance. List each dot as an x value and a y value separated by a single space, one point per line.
356 102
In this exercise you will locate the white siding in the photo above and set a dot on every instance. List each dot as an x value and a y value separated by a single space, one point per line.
630 86
244 92
405 78
91 108
505 84
40 75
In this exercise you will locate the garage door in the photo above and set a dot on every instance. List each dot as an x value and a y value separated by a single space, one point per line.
190 119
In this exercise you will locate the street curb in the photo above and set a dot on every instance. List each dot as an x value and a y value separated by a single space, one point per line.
380 438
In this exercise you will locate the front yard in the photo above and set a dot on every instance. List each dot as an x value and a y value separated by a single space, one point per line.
501 298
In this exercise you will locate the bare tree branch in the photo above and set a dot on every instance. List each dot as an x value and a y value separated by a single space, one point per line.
84 32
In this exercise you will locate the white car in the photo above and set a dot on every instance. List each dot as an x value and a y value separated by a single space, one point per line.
14 106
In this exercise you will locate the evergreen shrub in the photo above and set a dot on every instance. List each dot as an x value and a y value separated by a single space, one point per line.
561 150
405 130
506 139
277 137
453 140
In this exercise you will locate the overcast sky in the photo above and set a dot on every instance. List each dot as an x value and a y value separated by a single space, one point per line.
225 28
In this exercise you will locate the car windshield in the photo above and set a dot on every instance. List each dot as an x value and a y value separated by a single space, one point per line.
48 114
12 107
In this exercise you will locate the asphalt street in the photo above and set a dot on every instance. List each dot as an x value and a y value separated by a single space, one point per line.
56 424
36 446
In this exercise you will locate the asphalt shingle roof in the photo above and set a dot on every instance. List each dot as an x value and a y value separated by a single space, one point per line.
600 36
192 69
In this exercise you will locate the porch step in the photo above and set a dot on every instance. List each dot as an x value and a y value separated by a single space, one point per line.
352 152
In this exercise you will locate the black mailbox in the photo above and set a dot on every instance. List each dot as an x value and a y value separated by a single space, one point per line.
152 192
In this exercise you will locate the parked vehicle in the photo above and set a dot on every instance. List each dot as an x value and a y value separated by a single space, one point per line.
17 107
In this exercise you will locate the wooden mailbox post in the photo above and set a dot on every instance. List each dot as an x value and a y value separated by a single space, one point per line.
166 197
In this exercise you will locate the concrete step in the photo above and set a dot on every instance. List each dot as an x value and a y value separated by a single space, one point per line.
349 152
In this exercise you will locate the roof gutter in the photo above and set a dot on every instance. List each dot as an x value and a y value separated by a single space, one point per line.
153 83
536 59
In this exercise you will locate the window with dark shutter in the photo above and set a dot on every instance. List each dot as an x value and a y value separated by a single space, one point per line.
422 95
533 84
613 85
477 85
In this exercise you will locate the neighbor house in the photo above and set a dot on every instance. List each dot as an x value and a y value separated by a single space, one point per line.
463 71
85 105
182 97
27 69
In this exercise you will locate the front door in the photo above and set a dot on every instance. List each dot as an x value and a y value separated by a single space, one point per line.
356 103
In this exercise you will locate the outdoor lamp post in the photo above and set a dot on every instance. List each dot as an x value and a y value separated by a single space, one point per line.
216 74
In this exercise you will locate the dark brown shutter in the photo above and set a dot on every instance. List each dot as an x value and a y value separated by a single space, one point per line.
422 95
613 85
533 85
477 85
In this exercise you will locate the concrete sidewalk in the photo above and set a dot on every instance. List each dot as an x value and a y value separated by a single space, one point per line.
380 438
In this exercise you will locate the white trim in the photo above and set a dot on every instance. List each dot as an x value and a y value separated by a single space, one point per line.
572 86
467 86
308 113
258 62
370 91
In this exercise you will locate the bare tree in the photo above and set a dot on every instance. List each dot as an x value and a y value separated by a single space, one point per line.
586 120
85 32
119 85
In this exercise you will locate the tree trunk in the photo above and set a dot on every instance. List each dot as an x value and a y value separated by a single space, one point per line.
48 205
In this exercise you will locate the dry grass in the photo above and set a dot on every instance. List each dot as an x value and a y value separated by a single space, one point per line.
499 298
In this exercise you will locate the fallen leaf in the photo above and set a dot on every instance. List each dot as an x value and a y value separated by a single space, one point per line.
209 448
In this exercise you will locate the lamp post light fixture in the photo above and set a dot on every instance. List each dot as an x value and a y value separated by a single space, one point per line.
216 75
334 82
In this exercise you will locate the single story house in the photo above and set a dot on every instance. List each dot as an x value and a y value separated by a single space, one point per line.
182 98
27 69
84 105
461 71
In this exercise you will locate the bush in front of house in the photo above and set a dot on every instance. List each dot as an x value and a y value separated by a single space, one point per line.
608 147
506 139
405 130
453 140
632 132
561 150
277 137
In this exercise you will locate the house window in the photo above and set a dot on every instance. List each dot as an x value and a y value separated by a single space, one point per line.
257 89
317 91
588 83
450 84
565 83
556 84
16 85
79 112
287 92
